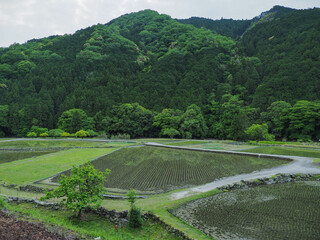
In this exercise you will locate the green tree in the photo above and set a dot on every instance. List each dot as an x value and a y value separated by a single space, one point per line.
72 120
304 120
135 219
81 189
193 124
259 132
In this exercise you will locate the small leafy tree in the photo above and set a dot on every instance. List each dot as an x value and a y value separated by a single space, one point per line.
81 189
135 219
259 132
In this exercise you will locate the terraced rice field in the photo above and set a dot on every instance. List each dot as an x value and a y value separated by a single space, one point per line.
161 169
281 211
10 156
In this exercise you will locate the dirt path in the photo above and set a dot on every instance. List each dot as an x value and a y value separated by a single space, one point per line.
299 165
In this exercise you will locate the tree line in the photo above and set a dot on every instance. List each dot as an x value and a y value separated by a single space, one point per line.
228 119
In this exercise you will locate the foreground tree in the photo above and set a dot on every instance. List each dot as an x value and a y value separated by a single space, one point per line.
81 189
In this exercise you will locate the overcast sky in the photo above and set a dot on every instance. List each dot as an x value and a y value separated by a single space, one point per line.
22 20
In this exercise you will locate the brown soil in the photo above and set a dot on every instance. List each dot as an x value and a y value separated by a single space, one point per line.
13 229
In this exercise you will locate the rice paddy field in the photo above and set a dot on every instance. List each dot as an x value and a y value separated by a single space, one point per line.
10 156
156 169
281 211
52 143
289 151
212 145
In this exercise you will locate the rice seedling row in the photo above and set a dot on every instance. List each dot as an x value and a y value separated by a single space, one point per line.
281 211
163 169
10 156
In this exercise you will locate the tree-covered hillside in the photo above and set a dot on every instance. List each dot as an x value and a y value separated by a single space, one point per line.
146 74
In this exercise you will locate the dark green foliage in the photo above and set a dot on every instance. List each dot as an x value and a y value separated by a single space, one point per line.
117 77
135 219
226 27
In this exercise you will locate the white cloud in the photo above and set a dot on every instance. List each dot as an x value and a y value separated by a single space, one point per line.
27 19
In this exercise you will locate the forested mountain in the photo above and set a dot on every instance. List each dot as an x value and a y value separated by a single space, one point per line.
190 79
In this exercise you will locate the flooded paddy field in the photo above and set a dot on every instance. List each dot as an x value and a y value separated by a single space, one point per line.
280 211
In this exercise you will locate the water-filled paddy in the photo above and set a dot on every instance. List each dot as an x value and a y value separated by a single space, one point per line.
281 211
162 169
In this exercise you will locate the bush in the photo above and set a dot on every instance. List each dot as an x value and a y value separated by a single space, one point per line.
135 219
31 134
45 134
65 134
82 134
55 132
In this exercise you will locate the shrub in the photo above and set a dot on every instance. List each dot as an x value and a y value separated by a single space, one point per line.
45 134
82 134
31 134
135 219
65 134
55 132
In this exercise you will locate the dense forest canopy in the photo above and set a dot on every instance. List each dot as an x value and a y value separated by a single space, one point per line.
148 75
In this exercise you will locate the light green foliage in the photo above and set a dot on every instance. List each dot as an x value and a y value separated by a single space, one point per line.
65 134
31 134
82 188
33 169
259 132
45 134
82 134
132 197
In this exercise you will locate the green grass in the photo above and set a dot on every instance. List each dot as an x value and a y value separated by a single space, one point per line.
316 160
280 211
56 143
10 156
29 170
187 142
302 152
90 226
157 169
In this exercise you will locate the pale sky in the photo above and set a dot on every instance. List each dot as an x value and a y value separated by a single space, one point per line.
22 20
